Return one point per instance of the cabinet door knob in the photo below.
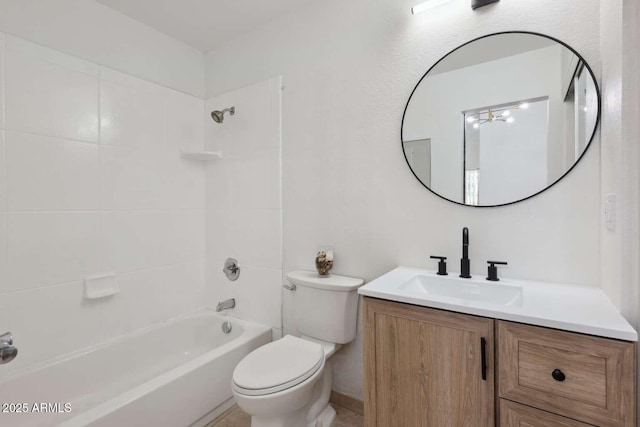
(558, 375)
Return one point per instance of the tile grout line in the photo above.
(102, 238)
(119, 273)
(5, 175)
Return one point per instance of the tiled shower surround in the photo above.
(92, 183)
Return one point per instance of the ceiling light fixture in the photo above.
(490, 115)
(429, 4)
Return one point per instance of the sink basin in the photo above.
(465, 290)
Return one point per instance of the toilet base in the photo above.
(325, 419)
(316, 413)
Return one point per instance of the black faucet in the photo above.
(465, 263)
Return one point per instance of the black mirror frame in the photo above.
(595, 128)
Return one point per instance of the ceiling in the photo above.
(490, 49)
(204, 24)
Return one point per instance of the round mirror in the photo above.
(500, 119)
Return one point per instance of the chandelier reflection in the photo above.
(492, 115)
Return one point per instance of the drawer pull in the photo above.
(558, 375)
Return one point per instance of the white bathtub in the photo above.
(176, 374)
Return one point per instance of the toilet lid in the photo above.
(277, 366)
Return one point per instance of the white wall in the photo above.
(89, 30)
(91, 181)
(620, 252)
(620, 153)
(243, 202)
(348, 68)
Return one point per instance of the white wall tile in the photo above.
(132, 116)
(3, 171)
(48, 99)
(253, 236)
(144, 239)
(3, 255)
(51, 174)
(135, 179)
(185, 287)
(43, 53)
(184, 123)
(243, 202)
(52, 321)
(218, 287)
(123, 79)
(2, 49)
(140, 303)
(255, 181)
(154, 295)
(4, 327)
(276, 334)
(218, 185)
(78, 208)
(257, 294)
(254, 127)
(50, 248)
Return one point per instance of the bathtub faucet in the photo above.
(7, 351)
(224, 305)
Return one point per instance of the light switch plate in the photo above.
(610, 211)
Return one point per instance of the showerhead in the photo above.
(218, 116)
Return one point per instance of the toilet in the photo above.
(287, 383)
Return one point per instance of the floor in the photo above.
(234, 417)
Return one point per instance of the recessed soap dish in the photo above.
(201, 155)
(101, 286)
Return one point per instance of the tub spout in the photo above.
(224, 305)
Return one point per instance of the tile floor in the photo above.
(234, 417)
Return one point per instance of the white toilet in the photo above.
(287, 383)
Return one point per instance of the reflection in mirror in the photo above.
(500, 119)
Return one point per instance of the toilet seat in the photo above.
(277, 366)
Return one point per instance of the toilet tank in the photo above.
(326, 308)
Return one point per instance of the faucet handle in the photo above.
(492, 270)
(442, 265)
(6, 338)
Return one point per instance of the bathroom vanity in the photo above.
(443, 351)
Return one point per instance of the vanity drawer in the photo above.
(516, 415)
(594, 379)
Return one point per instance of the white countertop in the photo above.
(582, 309)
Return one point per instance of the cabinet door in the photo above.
(424, 367)
(515, 415)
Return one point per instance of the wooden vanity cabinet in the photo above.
(418, 358)
(424, 368)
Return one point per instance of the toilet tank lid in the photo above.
(311, 279)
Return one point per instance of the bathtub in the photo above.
(176, 374)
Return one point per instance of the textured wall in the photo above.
(348, 69)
